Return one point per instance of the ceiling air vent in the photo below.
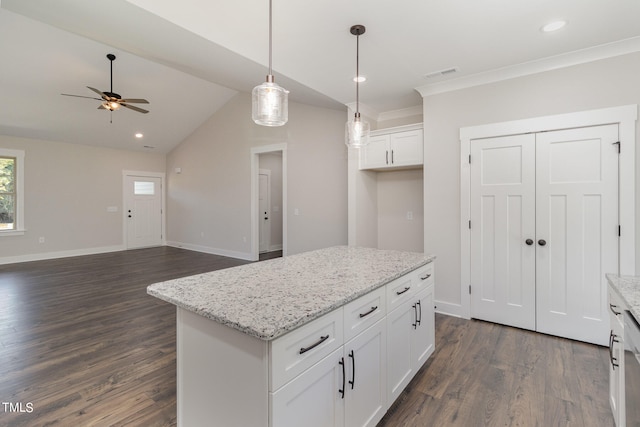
(441, 73)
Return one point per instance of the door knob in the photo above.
(266, 217)
(542, 242)
(529, 242)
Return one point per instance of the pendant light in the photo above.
(270, 104)
(357, 130)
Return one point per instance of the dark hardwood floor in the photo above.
(82, 344)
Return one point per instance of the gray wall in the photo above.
(209, 202)
(606, 83)
(68, 188)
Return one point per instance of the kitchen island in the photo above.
(327, 337)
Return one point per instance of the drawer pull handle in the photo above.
(314, 345)
(353, 369)
(368, 312)
(341, 391)
(425, 277)
(403, 291)
(612, 307)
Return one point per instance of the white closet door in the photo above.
(577, 219)
(502, 219)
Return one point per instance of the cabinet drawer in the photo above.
(399, 291)
(293, 353)
(423, 277)
(616, 308)
(364, 312)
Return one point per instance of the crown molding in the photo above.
(385, 115)
(577, 57)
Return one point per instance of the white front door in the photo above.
(264, 201)
(544, 230)
(143, 211)
(502, 220)
(577, 220)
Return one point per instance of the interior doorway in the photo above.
(268, 201)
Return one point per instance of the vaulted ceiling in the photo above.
(189, 58)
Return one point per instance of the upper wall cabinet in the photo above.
(393, 148)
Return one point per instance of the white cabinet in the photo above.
(616, 358)
(313, 398)
(366, 392)
(393, 149)
(410, 330)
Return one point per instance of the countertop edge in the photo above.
(284, 329)
(616, 282)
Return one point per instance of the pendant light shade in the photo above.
(270, 102)
(357, 129)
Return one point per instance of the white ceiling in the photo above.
(189, 57)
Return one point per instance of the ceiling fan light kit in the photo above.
(357, 130)
(269, 101)
(110, 100)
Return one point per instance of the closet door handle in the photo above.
(341, 362)
(353, 369)
(542, 242)
(529, 242)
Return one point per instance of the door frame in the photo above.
(255, 166)
(266, 172)
(163, 202)
(625, 116)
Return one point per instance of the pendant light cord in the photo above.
(270, 38)
(358, 74)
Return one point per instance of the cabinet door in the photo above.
(399, 337)
(366, 395)
(406, 148)
(616, 359)
(423, 342)
(312, 399)
(376, 153)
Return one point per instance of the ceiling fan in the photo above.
(112, 101)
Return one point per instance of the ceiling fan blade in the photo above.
(101, 107)
(105, 97)
(80, 96)
(134, 101)
(131, 107)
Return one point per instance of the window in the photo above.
(11, 191)
(8, 193)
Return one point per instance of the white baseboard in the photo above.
(213, 251)
(60, 254)
(274, 248)
(448, 308)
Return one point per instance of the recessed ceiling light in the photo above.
(139, 135)
(553, 26)
(359, 79)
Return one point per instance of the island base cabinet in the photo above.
(222, 376)
(346, 388)
(366, 393)
(410, 341)
(313, 399)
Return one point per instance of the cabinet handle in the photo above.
(391, 156)
(415, 312)
(403, 291)
(612, 339)
(341, 362)
(418, 321)
(353, 369)
(611, 307)
(314, 345)
(425, 277)
(368, 312)
(386, 157)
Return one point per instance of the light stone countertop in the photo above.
(270, 298)
(627, 288)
